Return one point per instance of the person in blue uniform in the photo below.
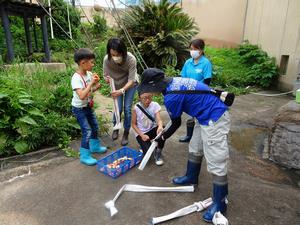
(210, 134)
(199, 68)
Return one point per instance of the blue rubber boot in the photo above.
(86, 158)
(219, 202)
(191, 176)
(95, 146)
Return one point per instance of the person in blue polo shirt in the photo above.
(199, 68)
(210, 133)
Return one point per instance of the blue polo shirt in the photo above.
(200, 71)
(204, 107)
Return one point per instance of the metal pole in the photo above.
(70, 31)
(245, 18)
(45, 38)
(28, 35)
(51, 25)
(8, 36)
(35, 36)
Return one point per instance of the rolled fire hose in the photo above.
(110, 205)
(196, 207)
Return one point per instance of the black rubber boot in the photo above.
(189, 134)
(115, 134)
(125, 138)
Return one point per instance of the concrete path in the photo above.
(69, 193)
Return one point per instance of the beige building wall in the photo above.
(87, 13)
(275, 26)
(221, 22)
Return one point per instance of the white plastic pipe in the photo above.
(196, 207)
(118, 124)
(152, 148)
(110, 205)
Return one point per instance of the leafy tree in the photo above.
(162, 32)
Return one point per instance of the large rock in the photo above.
(284, 147)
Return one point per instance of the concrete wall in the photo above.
(89, 11)
(34, 67)
(275, 26)
(221, 22)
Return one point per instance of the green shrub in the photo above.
(161, 31)
(63, 57)
(37, 57)
(227, 68)
(99, 26)
(263, 69)
(171, 71)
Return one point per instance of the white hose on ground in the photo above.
(110, 205)
(272, 95)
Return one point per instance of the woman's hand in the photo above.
(145, 137)
(116, 93)
(106, 78)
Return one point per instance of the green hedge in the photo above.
(35, 111)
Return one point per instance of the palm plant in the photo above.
(161, 31)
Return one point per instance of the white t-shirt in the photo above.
(77, 83)
(143, 122)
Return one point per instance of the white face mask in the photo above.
(117, 59)
(195, 54)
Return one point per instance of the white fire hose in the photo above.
(152, 148)
(196, 207)
(110, 205)
(118, 124)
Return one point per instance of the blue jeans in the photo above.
(128, 100)
(88, 124)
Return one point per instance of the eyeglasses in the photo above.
(146, 97)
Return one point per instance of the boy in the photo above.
(84, 83)
(147, 123)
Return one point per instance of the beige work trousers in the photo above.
(211, 141)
